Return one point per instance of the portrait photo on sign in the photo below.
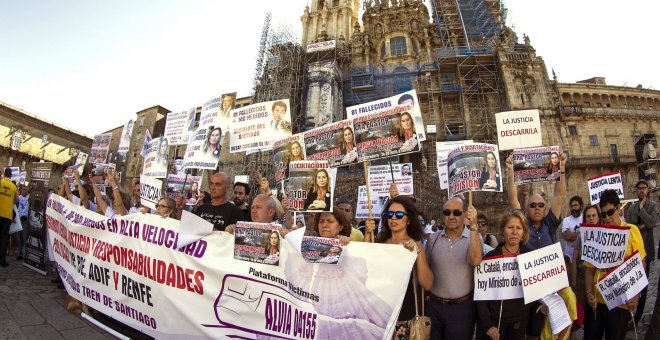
(285, 151)
(474, 167)
(334, 142)
(309, 186)
(536, 164)
(257, 242)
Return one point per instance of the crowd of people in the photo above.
(445, 259)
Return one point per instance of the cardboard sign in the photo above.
(533, 165)
(604, 246)
(543, 272)
(150, 191)
(386, 133)
(442, 150)
(598, 184)
(380, 178)
(286, 150)
(176, 126)
(518, 129)
(497, 278)
(334, 142)
(257, 126)
(474, 167)
(623, 282)
(257, 242)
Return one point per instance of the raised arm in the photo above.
(84, 198)
(512, 190)
(119, 207)
(560, 189)
(62, 190)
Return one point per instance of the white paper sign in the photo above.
(203, 150)
(156, 161)
(125, 140)
(557, 312)
(442, 150)
(497, 278)
(624, 282)
(380, 179)
(603, 182)
(604, 246)
(362, 210)
(150, 191)
(518, 129)
(257, 126)
(175, 125)
(543, 272)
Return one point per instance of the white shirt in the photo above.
(569, 223)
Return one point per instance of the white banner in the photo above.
(380, 178)
(604, 246)
(442, 151)
(603, 182)
(155, 163)
(518, 129)
(543, 272)
(203, 150)
(624, 282)
(257, 126)
(497, 278)
(125, 139)
(150, 191)
(131, 269)
(321, 46)
(362, 209)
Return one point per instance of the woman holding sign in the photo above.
(319, 197)
(512, 322)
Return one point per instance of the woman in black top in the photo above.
(513, 323)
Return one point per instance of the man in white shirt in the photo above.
(570, 226)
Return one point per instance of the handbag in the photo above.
(420, 325)
(16, 225)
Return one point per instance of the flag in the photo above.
(147, 140)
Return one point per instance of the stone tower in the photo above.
(332, 18)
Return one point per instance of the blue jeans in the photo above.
(452, 322)
(21, 236)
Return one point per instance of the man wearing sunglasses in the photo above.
(613, 323)
(452, 255)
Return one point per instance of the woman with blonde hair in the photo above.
(319, 197)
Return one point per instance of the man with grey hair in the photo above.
(219, 211)
(263, 211)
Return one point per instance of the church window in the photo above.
(398, 46)
(572, 130)
(593, 140)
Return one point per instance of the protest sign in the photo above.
(21, 177)
(474, 167)
(175, 187)
(362, 209)
(604, 246)
(188, 127)
(98, 175)
(408, 99)
(533, 165)
(557, 312)
(132, 269)
(300, 220)
(145, 143)
(257, 242)
(543, 272)
(228, 102)
(35, 242)
(155, 163)
(624, 282)
(203, 150)
(100, 146)
(321, 249)
(285, 150)
(333, 142)
(309, 188)
(242, 179)
(150, 189)
(176, 127)
(210, 115)
(256, 126)
(598, 184)
(497, 278)
(386, 133)
(518, 129)
(380, 178)
(81, 161)
(125, 139)
(15, 173)
(442, 150)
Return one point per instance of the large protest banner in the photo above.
(125, 139)
(257, 126)
(442, 150)
(604, 246)
(150, 189)
(175, 187)
(285, 150)
(497, 278)
(474, 167)
(380, 179)
(309, 187)
(131, 269)
(333, 142)
(624, 282)
(543, 272)
(362, 209)
(155, 163)
(598, 184)
(35, 242)
(100, 147)
(386, 133)
(518, 129)
(531, 165)
(176, 127)
(408, 99)
(203, 150)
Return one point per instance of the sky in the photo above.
(90, 65)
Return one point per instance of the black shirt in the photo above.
(220, 215)
(247, 214)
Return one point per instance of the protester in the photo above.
(318, 197)
(331, 224)
(135, 207)
(599, 320)
(643, 214)
(570, 226)
(346, 207)
(8, 198)
(506, 319)
(490, 176)
(457, 250)
(23, 210)
(180, 205)
(166, 207)
(482, 226)
(591, 215)
(402, 227)
(120, 199)
(241, 192)
(220, 211)
(212, 144)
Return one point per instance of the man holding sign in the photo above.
(599, 319)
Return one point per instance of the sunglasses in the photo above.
(482, 223)
(456, 212)
(534, 205)
(608, 213)
(398, 214)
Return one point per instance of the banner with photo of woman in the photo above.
(386, 133)
(474, 167)
(321, 249)
(334, 142)
(257, 242)
(175, 187)
(286, 150)
(155, 163)
(125, 139)
(203, 150)
(309, 187)
(257, 126)
(541, 164)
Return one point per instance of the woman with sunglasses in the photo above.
(513, 319)
(602, 321)
(166, 207)
(402, 227)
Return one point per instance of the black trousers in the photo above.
(611, 323)
(5, 223)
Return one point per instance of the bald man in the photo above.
(220, 211)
